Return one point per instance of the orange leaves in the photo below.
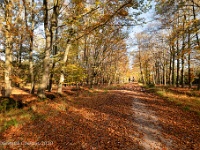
(105, 18)
(16, 79)
(104, 120)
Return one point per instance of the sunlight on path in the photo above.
(150, 136)
(18, 91)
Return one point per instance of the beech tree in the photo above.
(47, 51)
(8, 45)
(179, 45)
(86, 36)
(30, 29)
(54, 36)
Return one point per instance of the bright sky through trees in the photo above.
(147, 19)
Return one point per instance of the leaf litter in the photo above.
(123, 118)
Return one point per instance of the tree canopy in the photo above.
(61, 41)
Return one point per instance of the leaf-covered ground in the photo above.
(121, 118)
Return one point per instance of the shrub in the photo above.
(8, 104)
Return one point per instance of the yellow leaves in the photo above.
(97, 2)
(87, 9)
(74, 73)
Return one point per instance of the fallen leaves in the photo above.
(102, 119)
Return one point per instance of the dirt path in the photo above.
(123, 118)
(148, 127)
(148, 133)
(163, 125)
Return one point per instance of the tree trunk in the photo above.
(189, 62)
(54, 36)
(141, 71)
(31, 67)
(170, 67)
(194, 17)
(62, 77)
(164, 67)
(183, 54)
(178, 65)
(178, 53)
(31, 35)
(46, 62)
(8, 53)
(173, 65)
(157, 72)
(19, 59)
(182, 71)
(153, 75)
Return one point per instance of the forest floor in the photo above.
(126, 117)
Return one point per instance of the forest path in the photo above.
(149, 132)
(118, 118)
(162, 125)
(147, 125)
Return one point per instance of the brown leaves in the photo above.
(105, 18)
(123, 13)
(99, 119)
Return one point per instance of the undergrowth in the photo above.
(188, 102)
(14, 117)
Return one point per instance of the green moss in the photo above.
(151, 85)
(37, 117)
(9, 123)
(105, 91)
(161, 93)
(186, 108)
(178, 103)
(7, 104)
(198, 113)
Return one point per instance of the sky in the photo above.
(149, 19)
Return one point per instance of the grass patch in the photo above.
(161, 93)
(186, 108)
(37, 116)
(178, 104)
(9, 123)
(186, 102)
(63, 106)
(14, 117)
(114, 87)
(11, 113)
(7, 104)
(151, 85)
(105, 91)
